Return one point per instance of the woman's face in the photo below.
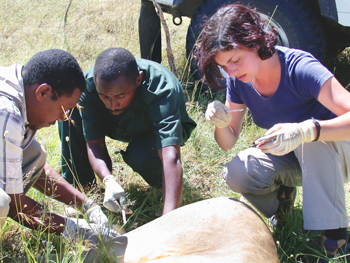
(240, 63)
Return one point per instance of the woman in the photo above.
(305, 109)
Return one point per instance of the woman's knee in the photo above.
(235, 174)
(247, 173)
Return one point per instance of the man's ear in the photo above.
(43, 92)
(139, 78)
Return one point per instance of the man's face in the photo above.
(48, 111)
(118, 94)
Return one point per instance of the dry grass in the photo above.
(27, 27)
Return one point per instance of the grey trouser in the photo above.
(34, 159)
(321, 168)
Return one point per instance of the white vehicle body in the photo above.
(343, 10)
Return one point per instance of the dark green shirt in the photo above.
(158, 106)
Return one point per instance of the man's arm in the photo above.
(101, 163)
(99, 158)
(31, 214)
(52, 184)
(172, 177)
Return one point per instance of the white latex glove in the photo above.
(286, 137)
(217, 114)
(96, 216)
(113, 193)
(80, 228)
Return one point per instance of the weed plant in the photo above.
(85, 28)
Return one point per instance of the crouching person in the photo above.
(307, 114)
(139, 102)
(34, 96)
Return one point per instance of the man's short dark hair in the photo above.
(115, 62)
(57, 68)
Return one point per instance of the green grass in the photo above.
(28, 26)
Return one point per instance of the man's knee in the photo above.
(4, 206)
(149, 166)
(142, 156)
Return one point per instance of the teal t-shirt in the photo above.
(159, 106)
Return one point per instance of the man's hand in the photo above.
(96, 216)
(286, 137)
(80, 228)
(217, 114)
(114, 193)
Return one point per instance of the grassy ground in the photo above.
(85, 29)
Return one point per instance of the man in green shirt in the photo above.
(142, 103)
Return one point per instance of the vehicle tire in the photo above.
(297, 26)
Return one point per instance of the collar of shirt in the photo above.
(22, 94)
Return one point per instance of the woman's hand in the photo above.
(286, 137)
(218, 114)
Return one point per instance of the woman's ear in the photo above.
(43, 92)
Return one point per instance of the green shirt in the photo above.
(158, 106)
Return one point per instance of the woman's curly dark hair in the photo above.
(232, 26)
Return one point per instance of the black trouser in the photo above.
(74, 159)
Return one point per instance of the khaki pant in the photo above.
(34, 159)
(321, 168)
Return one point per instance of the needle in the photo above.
(235, 110)
(124, 216)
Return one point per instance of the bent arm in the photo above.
(172, 177)
(337, 99)
(31, 214)
(52, 184)
(99, 158)
(227, 137)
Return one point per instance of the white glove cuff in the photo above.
(92, 209)
(87, 205)
(108, 178)
(307, 128)
(70, 227)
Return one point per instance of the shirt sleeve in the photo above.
(12, 130)
(308, 74)
(166, 117)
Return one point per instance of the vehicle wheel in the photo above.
(297, 26)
